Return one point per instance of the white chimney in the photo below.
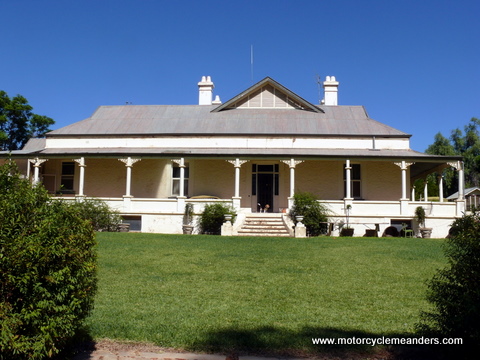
(330, 86)
(205, 91)
(217, 101)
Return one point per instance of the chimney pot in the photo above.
(217, 100)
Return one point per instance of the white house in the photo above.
(259, 147)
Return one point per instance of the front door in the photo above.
(265, 191)
(265, 186)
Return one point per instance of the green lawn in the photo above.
(211, 293)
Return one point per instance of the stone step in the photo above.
(252, 233)
(269, 227)
(264, 225)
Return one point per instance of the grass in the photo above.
(264, 295)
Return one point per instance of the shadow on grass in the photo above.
(277, 342)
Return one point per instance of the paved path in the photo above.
(145, 355)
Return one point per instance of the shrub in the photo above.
(454, 291)
(98, 213)
(213, 216)
(420, 216)
(47, 269)
(315, 214)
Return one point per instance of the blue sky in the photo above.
(414, 64)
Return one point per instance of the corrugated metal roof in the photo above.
(253, 152)
(200, 120)
(467, 192)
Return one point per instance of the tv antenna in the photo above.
(251, 63)
(318, 80)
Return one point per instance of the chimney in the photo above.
(205, 91)
(330, 86)
(217, 101)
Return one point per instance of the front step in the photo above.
(264, 225)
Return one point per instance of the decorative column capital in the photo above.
(404, 165)
(37, 162)
(129, 161)
(80, 162)
(180, 162)
(458, 165)
(237, 162)
(292, 163)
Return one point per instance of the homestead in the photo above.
(254, 150)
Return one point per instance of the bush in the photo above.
(47, 269)
(213, 217)
(454, 291)
(98, 213)
(313, 212)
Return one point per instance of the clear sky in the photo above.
(414, 64)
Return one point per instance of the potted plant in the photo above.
(187, 219)
(347, 230)
(420, 218)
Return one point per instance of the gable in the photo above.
(267, 94)
(267, 97)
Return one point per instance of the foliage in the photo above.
(454, 291)
(18, 123)
(213, 216)
(420, 215)
(98, 213)
(47, 269)
(313, 212)
(466, 144)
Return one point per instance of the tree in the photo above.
(18, 123)
(468, 146)
(454, 291)
(47, 269)
(441, 146)
(465, 143)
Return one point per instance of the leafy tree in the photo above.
(18, 123)
(465, 143)
(47, 269)
(454, 291)
(315, 214)
(441, 146)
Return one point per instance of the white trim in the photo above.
(245, 142)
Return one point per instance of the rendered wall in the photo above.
(382, 181)
(103, 178)
(151, 178)
(213, 177)
(322, 178)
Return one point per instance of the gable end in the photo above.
(268, 94)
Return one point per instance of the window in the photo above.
(68, 174)
(355, 181)
(176, 180)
